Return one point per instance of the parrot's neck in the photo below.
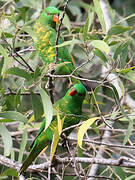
(47, 22)
(68, 105)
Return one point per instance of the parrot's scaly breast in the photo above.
(42, 44)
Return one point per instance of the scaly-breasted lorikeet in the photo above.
(45, 41)
(70, 107)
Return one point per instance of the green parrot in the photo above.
(70, 108)
(45, 41)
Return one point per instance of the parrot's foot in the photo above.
(64, 139)
(65, 142)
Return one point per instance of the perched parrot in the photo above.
(70, 107)
(45, 41)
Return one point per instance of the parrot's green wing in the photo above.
(70, 107)
(40, 131)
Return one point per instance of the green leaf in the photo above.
(13, 115)
(17, 98)
(122, 87)
(10, 172)
(101, 55)
(126, 18)
(66, 21)
(124, 57)
(6, 58)
(120, 48)
(129, 130)
(83, 128)
(118, 29)
(12, 154)
(59, 66)
(32, 4)
(99, 14)
(126, 70)
(23, 12)
(87, 25)
(47, 106)
(132, 177)
(119, 171)
(19, 72)
(96, 129)
(1, 33)
(96, 99)
(72, 42)
(1, 65)
(8, 35)
(37, 106)
(101, 45)
(37, 73)
(115, 94)
(92, 37)
(112, 43)
(22, 145)
(130, 76)
(7, 140)
(6, 120)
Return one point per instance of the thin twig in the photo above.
(72, 76)
(49, 171)
(27, 65)
(29, 49)
(102, 117)
(30, 68)
(12, 55)
(22, 94)
(50, 81)
(51, 86)
(17, 133)
(102, 143)
(58, 35)
(84, 63)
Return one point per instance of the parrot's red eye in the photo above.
(72, 92)
(48, 13)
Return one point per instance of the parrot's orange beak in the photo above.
(56, 18)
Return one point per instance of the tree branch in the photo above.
(72, 76)
(122, 162)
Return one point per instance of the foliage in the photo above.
(24, 97)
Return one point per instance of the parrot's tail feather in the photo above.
(35, 151)
(32, 156)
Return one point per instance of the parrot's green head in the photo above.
(76, 93)
(49, 16)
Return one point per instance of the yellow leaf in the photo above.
(42, 152)
(31, 119)
(59, 124)
(83, 128)
(56, 135)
